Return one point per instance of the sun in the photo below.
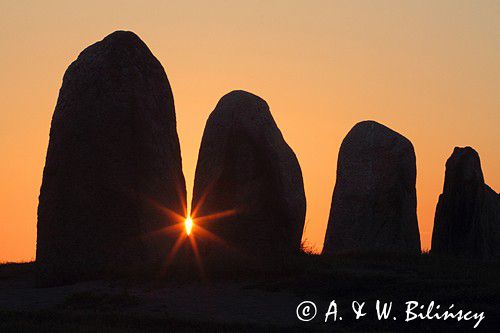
(188, 224)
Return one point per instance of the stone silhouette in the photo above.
(467, 220)
(248, 188)
(374, 201)
(113, 163)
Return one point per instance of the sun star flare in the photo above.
(188, 224)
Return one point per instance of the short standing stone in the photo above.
(374, 201)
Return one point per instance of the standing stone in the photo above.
(467, 220)
(112, 163)
(374, 201)
(250, 181)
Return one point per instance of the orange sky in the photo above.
(428, 69)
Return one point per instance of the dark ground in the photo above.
(244, 300)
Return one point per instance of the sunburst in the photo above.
(190, 229)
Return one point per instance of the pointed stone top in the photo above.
(370, 130)
(119, 40)
(463, 166)
(123, 36)
(241, 101)
(120, 47)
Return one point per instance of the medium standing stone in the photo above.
(112, 163)
(374, 201)
(248, 189)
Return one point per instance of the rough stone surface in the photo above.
(113, 160)
(467, 220)
(374, 201)
(250, 180)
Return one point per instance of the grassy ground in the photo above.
(242, 299)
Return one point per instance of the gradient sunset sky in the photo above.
(428, 69)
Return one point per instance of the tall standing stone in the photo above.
(467, 220)
(374, 201)
(113, 163)
(248, 189)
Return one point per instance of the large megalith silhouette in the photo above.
(113, 177)
(248, 191)
(467, 219)
(374, 200)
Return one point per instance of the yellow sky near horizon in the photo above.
(430, 70)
